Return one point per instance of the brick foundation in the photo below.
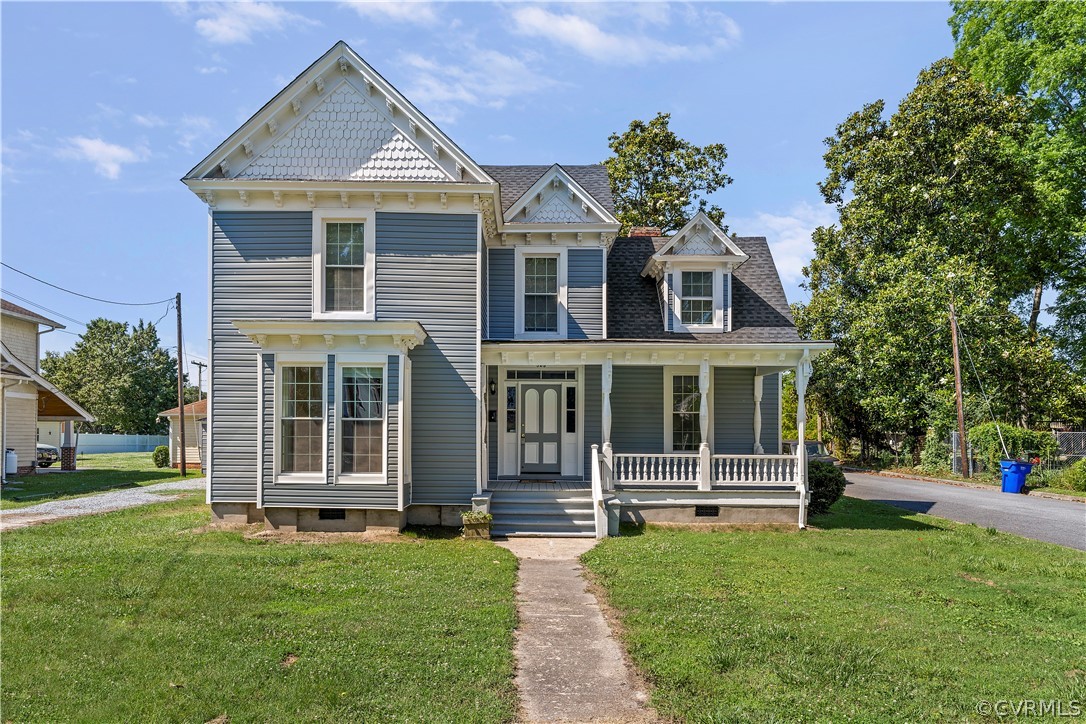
(188, 465)
(67, 458)
(27, 470)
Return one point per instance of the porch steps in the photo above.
(542, 513)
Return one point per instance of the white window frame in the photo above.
(321, 219)
(670, 372)
(308, 477)
(563, 267)
(380, 478)
(718, 299)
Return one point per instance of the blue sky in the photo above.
(106, 106)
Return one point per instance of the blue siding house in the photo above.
(399, 333)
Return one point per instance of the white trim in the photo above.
(321, 219)
(559, 253)
(701, 219)
(260, 422)
(211, 363)
(604, 252)
(731, 282)
(482, 462)
(399, 432)
(717, 299)
(353, 479)
(780, 413)
(309, 360)
(766, 356)
(669, 424)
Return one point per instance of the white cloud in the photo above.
(149, 120)
(226, 23)
(416, 13)
(481, 78)
(106, 157)
(632, 37)
(193, 129)
(789, 235)
(209, 69)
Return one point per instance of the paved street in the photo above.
(1044, 519)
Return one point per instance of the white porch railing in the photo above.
(700, 469)
(657, 469)
(599, 513)
(755, 469)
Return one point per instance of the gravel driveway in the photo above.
(1053, 521)
(100, 503)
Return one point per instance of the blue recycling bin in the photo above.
(1014, 475)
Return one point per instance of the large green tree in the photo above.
(661, 180)
(120, 374)
(936, 206)
(1037, 52)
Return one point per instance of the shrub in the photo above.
(161, 456)
(935, 457)
(827, 485)
(475, 516)
(986, 447)
(1070, 478)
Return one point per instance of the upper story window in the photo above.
(344, 266)
(699, 300)
(541, 294)
(343, 263)
(301, 433)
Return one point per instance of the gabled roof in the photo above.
(339, 121)
(197, 409)
(557, 197)
(21, 369)
(516, 180)
(14, 310)
(700, 237)
(760, 312)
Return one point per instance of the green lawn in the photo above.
(93, 474)
(142, 615)
(882, 615)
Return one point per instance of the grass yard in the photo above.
(94, 474)
(882, 615)
(143, 615)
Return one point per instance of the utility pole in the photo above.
(200, 377)
(962, 447)
(180, 388)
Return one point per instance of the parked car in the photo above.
(815, 451)
(47, 455)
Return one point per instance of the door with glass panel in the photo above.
(540, 434)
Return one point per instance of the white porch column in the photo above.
(803, 373)
(608, 373)
(758, 387)
(705, 480)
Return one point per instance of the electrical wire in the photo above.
(987, 400)
(55, 313)
(85, 296)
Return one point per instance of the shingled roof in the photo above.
(24, 313)
(760, 312)
(516, 180)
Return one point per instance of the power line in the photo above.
(24, 300)
(85, 296)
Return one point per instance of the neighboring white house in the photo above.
(399, 333)
(195, 434)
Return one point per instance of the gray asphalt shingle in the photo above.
(516, 180)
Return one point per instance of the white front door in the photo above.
(540, 434)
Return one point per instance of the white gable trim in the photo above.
(542, 188)
(695, 224)
(310, 89)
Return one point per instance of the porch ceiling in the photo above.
(768, 358)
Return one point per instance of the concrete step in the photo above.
(540, 534)
(541, 508)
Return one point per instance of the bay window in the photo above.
(362, 421)
(301, 420)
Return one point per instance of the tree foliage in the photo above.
(937, 206)
(121, 375)
(661, 180)
(1037, 52)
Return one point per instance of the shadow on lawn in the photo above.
(47, 486)
(851, 513)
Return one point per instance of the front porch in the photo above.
(642, 434)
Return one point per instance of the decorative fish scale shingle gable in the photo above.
(555, 211)
(700, 242)
(345, 137)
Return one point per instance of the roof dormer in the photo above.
(556, 198)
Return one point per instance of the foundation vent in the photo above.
(332, 514)
(706, 511)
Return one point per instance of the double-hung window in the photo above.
(362, 421)
(685, 413)
(697, 299)
(343, 263)
(301, 435)
(541, 294)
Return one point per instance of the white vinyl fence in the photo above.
(91, 443)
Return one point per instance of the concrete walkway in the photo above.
(90, 504)
(569, 666)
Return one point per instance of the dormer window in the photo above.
(696, 298)
(343, 264)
